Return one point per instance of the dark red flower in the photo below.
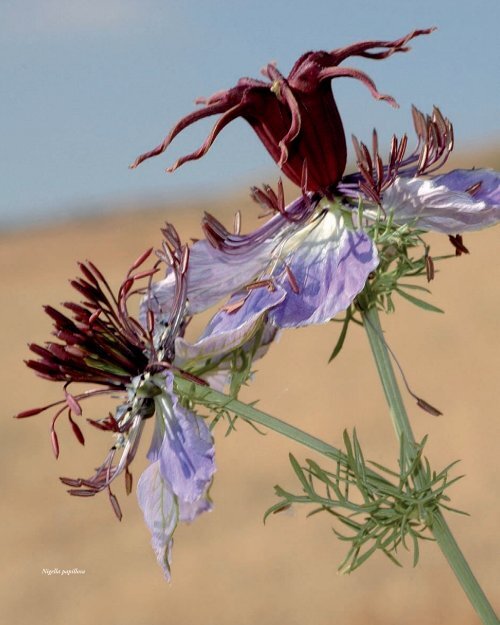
(296, 118)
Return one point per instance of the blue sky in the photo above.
(89, 84)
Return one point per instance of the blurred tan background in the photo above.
(228, 568)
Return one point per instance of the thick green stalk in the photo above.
(440, 529)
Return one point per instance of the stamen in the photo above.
(83, 493)
(142, 258)
(260, 283)
(192, 378)
(474, 188)
(95, 315)
(237, 222)
(128, 481)
(429, 267)
(115, 505)
(54, 440)
(421, 403)
(231, 308)
(76, 430)
(72, 403)
(68, 481)
(458, 243)
(435, 142)
(292, 280)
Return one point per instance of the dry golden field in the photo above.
(228, 568)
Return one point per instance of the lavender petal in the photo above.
(488, 181)
(443, 203)
(324, 274)
(187, 452)
(212, 276)
(159, 506)
(216, 271)
(227, 330)
(189, 511)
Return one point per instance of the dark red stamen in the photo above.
(474, 188)
(429, 268)
(458, 244)
(292, 280)
(435, 143)
(76, 430)
(100, 342)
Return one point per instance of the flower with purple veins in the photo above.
(303, 266)
(296, 117)
(459, 201)
(312, 258)
(101, 343)
(410, 192)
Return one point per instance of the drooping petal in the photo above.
(450, 203)
(232, 326)
(187, 452)
(212, 276)
(324, 273)
(234, 260)
(159, 506)
(189, 511)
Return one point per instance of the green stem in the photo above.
(246, 411)
(440, 529)
(208, 396)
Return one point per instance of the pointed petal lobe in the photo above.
(159, 507)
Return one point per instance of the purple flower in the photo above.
(302, 267)
(175, 486)
(459, 201)
(296, 118)
(455, 202)
(100, 343)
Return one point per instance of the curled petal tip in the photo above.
(284, 154)
(297, 112)
(390, 100)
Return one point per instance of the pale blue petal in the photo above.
(330, 267)
(157, 439)
(189, 511)
(219, 378)
(463, 179)
(212, 276)
(159, 507)
(429, 204)
(215, 273)
(187, 452)
(227, 331)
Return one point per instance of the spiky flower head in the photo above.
(100, 342)
(295, 117)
